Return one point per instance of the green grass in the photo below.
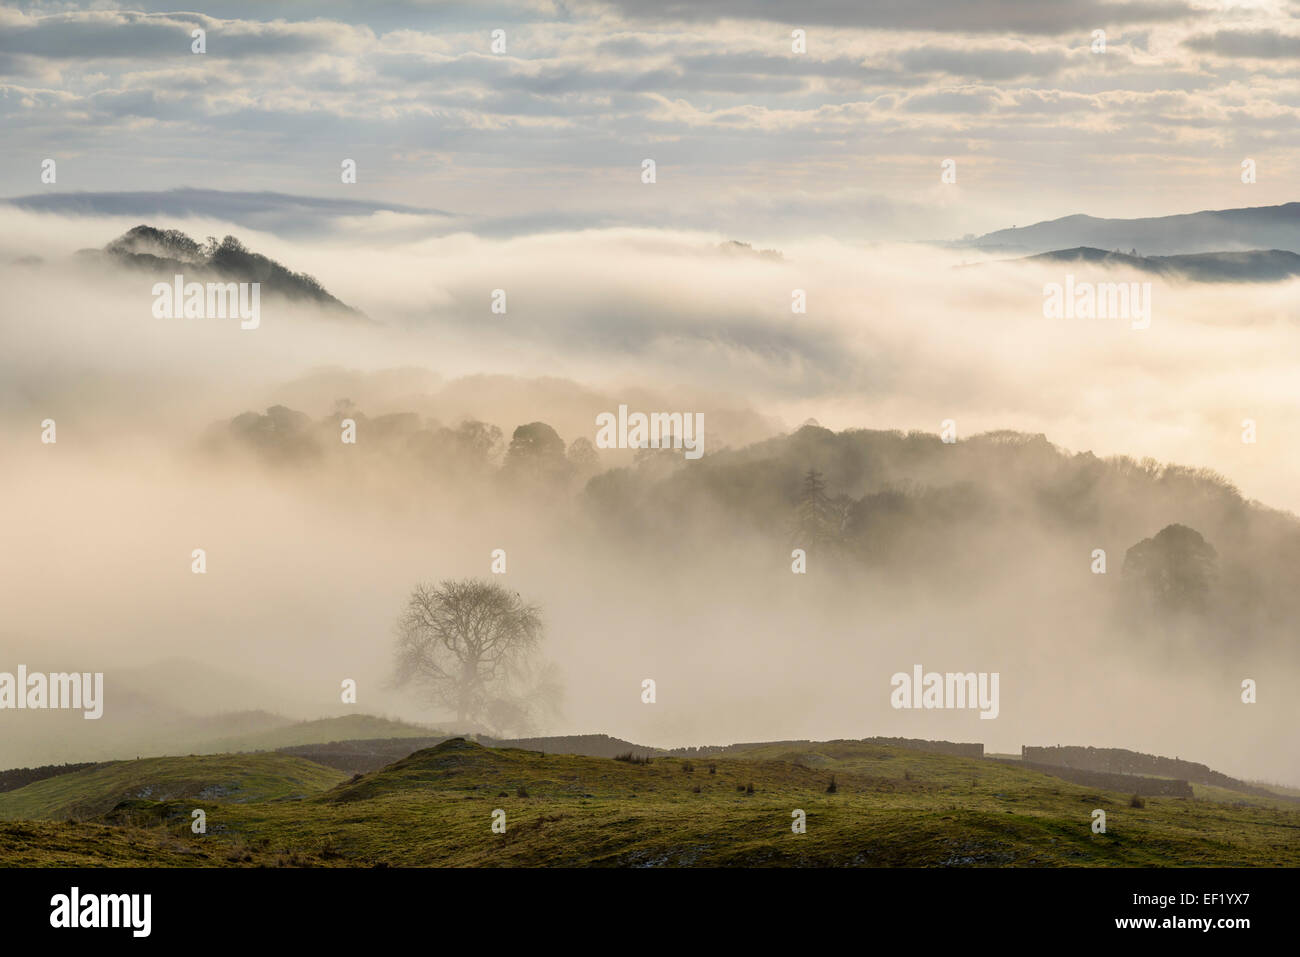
(81, 844)
(893, 807)
(1211, 792)
(230, 778)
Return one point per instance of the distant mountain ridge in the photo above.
(1256, 265)
(1207, 231)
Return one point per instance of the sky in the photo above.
(749, 137)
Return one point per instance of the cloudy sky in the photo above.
(749, 137)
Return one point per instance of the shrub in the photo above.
(1136, 801)
(713, 769)
(750, 789)
(688, 767)
(830, 788)
(521, 792)
(632, 758)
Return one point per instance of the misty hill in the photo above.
(909, 507)
(1256, 265)
(958, 749)
(232, 778)
(867, 804)
(164, 253)
(1111, 768)
(137, 724)
(734, 247)
(363, 756)
(1255, 227)
(15, 778)
(1114, 768)
(320, 731)
(1191, 562)
(179, 706)
(147, 725)
(590, 745)
(1123, 761)
(200, 687)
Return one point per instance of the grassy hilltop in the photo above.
(890, 807)
(230, 778)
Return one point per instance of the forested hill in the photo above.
(166, 252)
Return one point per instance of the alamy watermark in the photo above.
(179, 299)
(1101, 300)
(54, 691)
(656, 430)
(948, 690)
(74, 909)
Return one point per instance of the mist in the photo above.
(311, 557)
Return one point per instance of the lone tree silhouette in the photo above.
(536, 455)
(1176, 569)
(818, 519)
(470, 645)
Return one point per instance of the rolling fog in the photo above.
(309, 566)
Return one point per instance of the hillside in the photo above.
(228, 778)
(1256, 265)
(174, 705)
(1255, 227)
(361, 756)
(590, 745)
(82, 844)
(15, 778)
(1123, 761)
(166, 252)
(889, 507)
(889, 807)
(321, 731)
(139, 725)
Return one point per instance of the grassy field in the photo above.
(81, 844)
(229, 778)
(890, 807)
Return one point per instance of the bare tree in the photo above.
(470, 645)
